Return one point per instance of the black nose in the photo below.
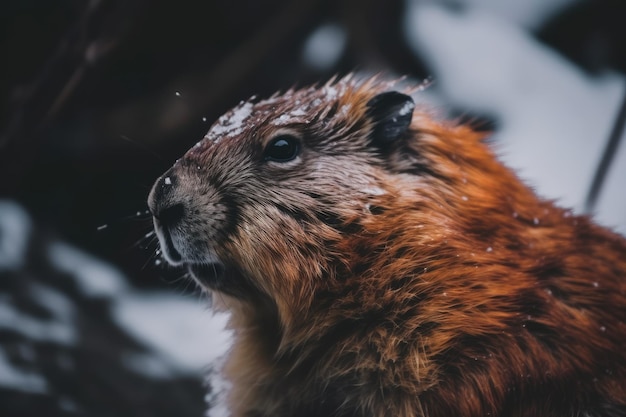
(168, 212)
(169, 216)
(162, 202)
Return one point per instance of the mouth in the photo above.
(172, 255)
(202, 264)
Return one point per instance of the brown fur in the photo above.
(425, 280)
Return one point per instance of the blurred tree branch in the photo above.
(99, 30)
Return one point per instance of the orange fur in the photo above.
(424, 281)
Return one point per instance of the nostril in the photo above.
(170, 216)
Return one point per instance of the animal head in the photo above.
(267, 204)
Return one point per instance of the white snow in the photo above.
(186, 333)
(527, 13)
(231, 123)
(167, 181)
(299, 112)
(373, 190)
(216, 399)
(54, 301)
(282, 120)
(406, 109)
(59, 330)
(15, 230)
(18, 379)
(331, 92)
(94, 277)
(148, 364)
(324, 47)
(555, 119)
(295, 116)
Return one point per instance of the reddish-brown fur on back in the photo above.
(415, 278)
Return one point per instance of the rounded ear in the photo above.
(391, 113)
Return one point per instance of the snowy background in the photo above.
(100, 97)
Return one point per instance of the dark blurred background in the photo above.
(99, 97)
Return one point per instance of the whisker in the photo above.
(150, 237)
(139, 215)
(152, 259)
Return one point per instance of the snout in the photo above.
(168, 213)
(189, 219)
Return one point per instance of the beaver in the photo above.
(380, 261)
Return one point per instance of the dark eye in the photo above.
(283, 148)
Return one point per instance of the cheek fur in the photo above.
(281, 253)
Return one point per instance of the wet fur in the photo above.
(422, 278)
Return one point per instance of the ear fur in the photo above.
(391, 113)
